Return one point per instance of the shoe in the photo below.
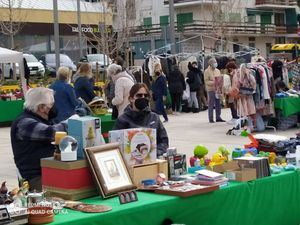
(231, 122)
(220, 120)
(165, 121)
(196, 110)
(211, 121)
(204, 108)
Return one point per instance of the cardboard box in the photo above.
(222, 168)
(137, 145)
(176, 165)
(234, 172)
(261, 165)
(69, 180)
(87, 131)
(147, 171)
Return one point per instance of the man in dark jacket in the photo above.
(176, 87)
(138, 114)
(195, 82)
(32, 133)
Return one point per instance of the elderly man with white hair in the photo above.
(32, 133)
(211, 79)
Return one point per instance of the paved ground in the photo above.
(185, 132)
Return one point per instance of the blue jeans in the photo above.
(213, 102)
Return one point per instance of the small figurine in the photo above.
(4, 198)
(199, 153)
(217, 159)
(224, 151)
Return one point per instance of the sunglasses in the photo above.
(142, 96)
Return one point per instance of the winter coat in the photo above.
(65, 100)
(31, 137)
(194, 79)
(84, 88)
(209, 78)
(159, 87)
(148, 119)
(176, 82)
(123, 84)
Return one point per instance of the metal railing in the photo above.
(276, 2)
(210, 27)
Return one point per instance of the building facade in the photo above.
(36, 33)
(226, 25)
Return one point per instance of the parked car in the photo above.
(49, 62)
(35, 67)
(102, 60)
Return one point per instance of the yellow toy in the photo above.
(217, 159)
(272, 158)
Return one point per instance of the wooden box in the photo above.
(68, 180)
(147, 171)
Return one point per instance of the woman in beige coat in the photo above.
(123, 83)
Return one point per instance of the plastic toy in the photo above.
(225, 153)
(217, 159)
(199, 153)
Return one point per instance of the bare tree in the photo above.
(224, 16)
(12, 20)
(111, 39)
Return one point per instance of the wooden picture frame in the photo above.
(109, 169)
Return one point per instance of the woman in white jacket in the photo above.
(123, 83)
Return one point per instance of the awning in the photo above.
(283, 47)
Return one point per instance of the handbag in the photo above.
(234, 93)
(246, 91)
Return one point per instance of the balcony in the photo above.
(276, 4)
(212, 28)
(184, 3)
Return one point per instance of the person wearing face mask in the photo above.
(138, 114)
(32, 133)
(232, 70)
(64, 95)
(159, 89)
(210, 75)
(194, 81)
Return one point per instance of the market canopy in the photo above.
(10, 56)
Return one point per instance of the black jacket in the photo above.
(132, 119)
(194, 79)
(176, 82)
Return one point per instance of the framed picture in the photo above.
(109, 169)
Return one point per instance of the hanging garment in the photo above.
(153, 60)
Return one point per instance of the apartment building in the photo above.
(36, 33)
(254, 23)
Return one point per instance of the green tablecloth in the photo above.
(268, 201)
(9, 110)
(288, 106)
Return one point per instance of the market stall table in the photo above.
(266, 201)
(288, 105)
(10, 110)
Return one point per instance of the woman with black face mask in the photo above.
(138, 114)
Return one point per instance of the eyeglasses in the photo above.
(141, 95)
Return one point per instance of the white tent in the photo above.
(10, 56)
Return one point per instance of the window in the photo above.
(164, 20)
(251, 18)
(184, 18)
(148, 22)
(251, 38)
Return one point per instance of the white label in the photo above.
(230, 175)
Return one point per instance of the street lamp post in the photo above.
(56, 34)
(172, 29)
(79, 29)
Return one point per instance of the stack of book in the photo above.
(210, 178)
